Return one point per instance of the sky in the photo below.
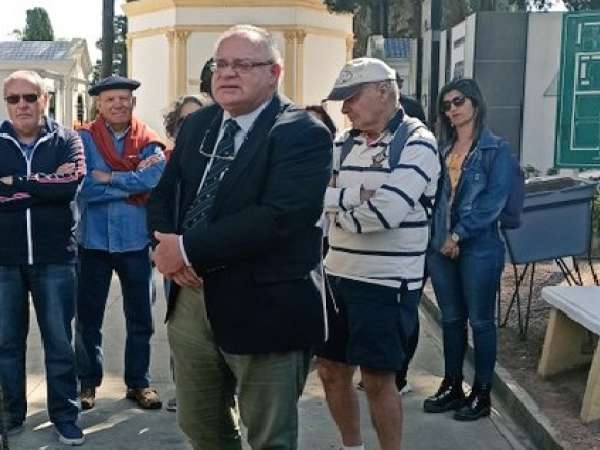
(72, 18)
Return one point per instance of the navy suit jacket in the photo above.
(261, 247)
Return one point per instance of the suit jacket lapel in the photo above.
(254, 142)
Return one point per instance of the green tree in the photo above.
(119, 51)
(400, 18)
(37, 26)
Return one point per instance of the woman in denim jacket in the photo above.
(466, 255)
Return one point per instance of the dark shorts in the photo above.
(369, 324)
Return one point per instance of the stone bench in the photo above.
(575, 313)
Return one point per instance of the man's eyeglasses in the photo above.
(237, 65)
(14, 99)
(213, 156)
(456, 101)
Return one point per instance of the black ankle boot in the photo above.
(449, 396)
(477, 405)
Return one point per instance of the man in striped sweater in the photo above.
(378, 238)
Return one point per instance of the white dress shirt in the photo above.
(245, 122)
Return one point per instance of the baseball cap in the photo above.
(358, 72)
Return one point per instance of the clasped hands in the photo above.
(169, 261)
(450, 248)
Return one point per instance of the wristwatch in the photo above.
(455, 237)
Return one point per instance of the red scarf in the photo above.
(139, 136)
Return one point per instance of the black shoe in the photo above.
(449, 396)
(477, 405)
(13, 428)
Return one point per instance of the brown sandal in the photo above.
(146, 398)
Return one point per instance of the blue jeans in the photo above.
(465, 289)
(95, 273)
(52, 288)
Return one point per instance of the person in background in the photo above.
(125, 160)
(414, 109)
(41, 167)
(172, 121)
(206, 78)
(321, 113)
(410, 105)
(466, 256)
(178, 111)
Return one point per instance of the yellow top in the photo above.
(454, 164)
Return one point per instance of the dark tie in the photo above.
(197, 214)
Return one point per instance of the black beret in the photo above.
(114, 82)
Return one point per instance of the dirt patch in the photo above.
(558, 397)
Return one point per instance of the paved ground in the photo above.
(117, 424)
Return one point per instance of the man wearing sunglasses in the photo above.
(245, 306)
(41, 166)
(125, 160)
(375, 263)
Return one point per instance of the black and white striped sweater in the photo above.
(384, 239)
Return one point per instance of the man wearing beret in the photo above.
(125, 160)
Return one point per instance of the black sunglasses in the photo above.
(14, 99)
(456, 101)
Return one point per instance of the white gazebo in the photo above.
(170, 40)
(65, 67)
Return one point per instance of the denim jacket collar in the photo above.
(488, 140)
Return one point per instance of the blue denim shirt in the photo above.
(108, 222)
(481, 194)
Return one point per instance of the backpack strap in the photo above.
(405, 130)
(346, 148)
(403, 133)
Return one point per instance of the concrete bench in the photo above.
(575, 313)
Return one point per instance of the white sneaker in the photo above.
(406, 389)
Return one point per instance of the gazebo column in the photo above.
(349, 47)
(177, 62)
(294, 64)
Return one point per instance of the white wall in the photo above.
(443, 58)
(253, 15)
(151, 20)
(199, 50)
(324, 49)
(457, 48)
(324, 57)
(469, 50)
(151, 69)
(539, 110)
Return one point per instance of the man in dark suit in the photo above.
(251, 171)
